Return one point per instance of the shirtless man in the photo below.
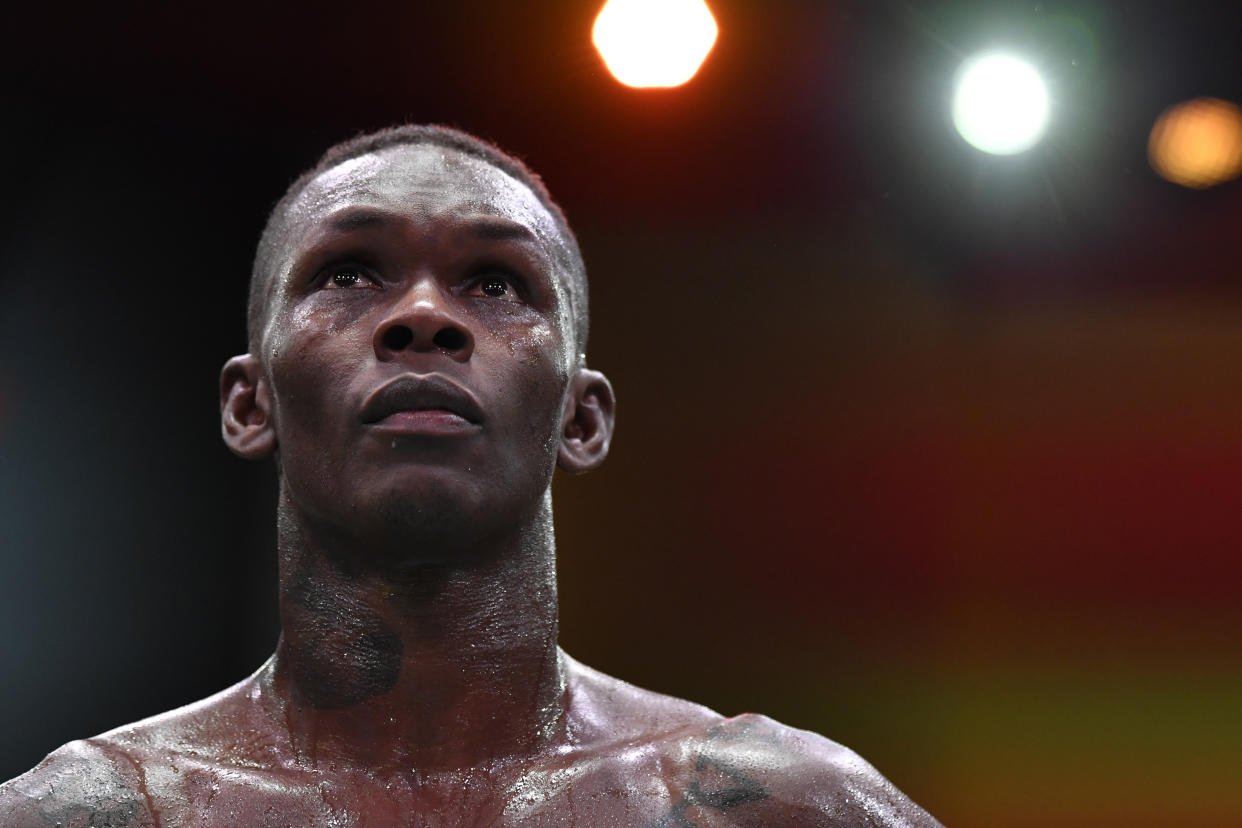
(416, 366)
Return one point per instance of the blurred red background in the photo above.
(935, 453)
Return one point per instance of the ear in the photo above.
(589, 416)
(246, 408)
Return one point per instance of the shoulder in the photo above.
(229, 729)
(607, 709)
(83, 783)
(793, 775)
(116, 778)
(745, 770)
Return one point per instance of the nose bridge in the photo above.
(424, 293)
(423, 317)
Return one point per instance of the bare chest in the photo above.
(597, 793)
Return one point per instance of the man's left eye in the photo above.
(497, 287)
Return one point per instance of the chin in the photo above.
(428, 518)
(437, 522)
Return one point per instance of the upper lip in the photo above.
(415, 392)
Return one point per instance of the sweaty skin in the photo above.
(417, 382)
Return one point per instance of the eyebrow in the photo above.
(498, 229)
(349, 220)
(487, 228)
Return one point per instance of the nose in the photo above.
(423, 320)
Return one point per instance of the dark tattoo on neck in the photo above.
(340, 670)
(345, 652)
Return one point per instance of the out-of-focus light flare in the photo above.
(1197, 143)
(1001, 104)
(654, 42)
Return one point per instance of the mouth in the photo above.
(422, 404)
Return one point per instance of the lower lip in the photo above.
(435, 421)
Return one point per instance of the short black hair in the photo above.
(416, 134)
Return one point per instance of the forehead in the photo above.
(425, 182)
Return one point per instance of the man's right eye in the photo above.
(346, 277)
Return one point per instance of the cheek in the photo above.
(321, 317)
(310, 361)
(539, 351)
(542, 384)
(530, 337)
(531, 371)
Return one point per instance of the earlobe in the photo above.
(246, 408)
(589, 417)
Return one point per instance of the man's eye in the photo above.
(497, 287)
(346, 277)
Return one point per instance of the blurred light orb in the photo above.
(654, 42)
(1000, 105)
(1197, 143)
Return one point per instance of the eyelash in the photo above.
(487, 275)
(327, 279)
(515, 285)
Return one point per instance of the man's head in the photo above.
(270, 242)
(417, 325)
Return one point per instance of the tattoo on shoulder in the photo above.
(716, 785)
(94, 797)
(102, 814)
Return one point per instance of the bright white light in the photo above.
(1001, 104)
(654, 42)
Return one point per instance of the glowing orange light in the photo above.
(1198, 143)
(654, 42)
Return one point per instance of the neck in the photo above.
(419, 666)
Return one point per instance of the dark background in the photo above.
(936, 453)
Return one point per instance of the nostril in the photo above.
(450, 339)
(398, 338)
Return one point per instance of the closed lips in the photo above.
(421, 393)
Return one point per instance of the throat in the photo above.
(435, 670)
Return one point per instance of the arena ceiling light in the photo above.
(1000, 104)
(654, 42)
(1198, 143)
